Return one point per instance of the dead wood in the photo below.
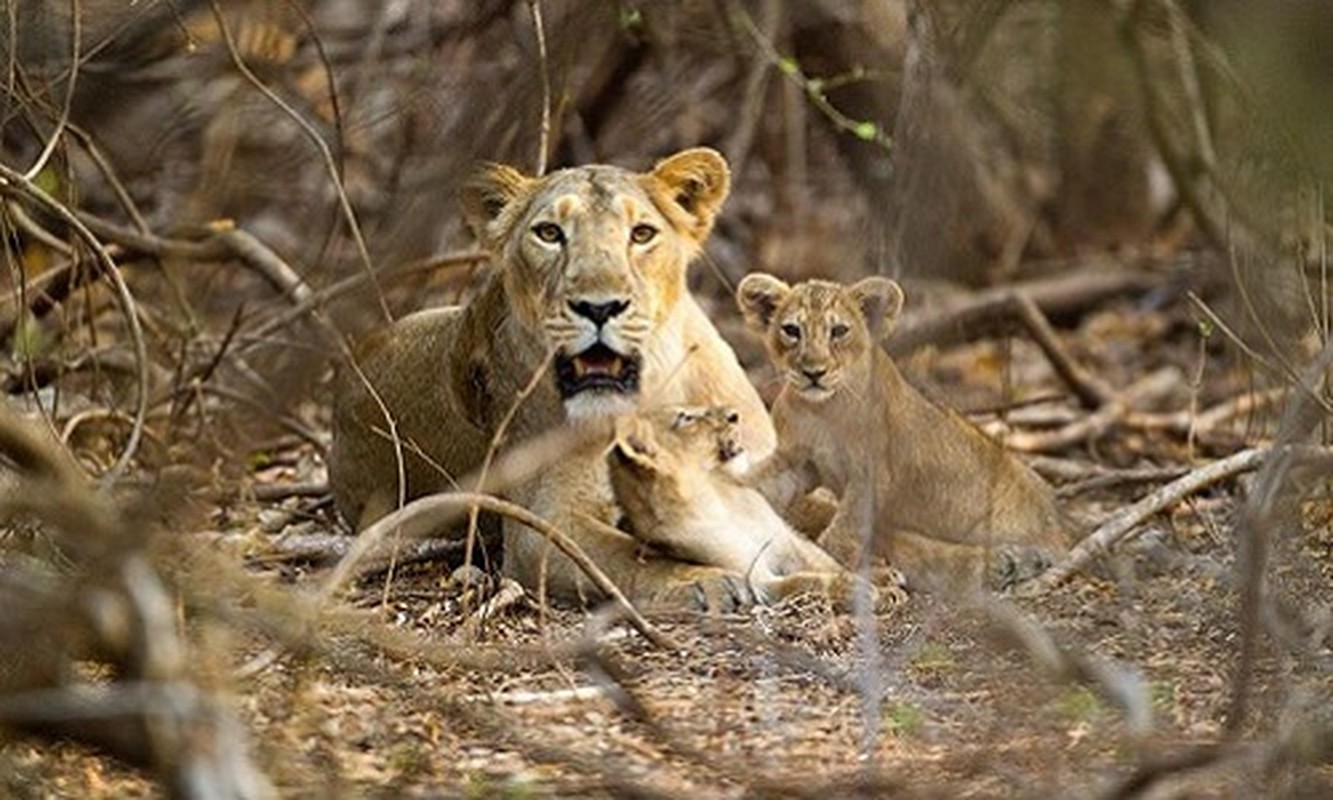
(1123, 522)
(991, 312)
(1091, 391)
(1151, 387)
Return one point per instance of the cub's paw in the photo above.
(892, 586)
(1013, 565)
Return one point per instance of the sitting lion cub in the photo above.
(673, 472)
(916, 482)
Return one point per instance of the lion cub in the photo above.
(674, 471)
(916, 482)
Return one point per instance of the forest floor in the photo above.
(775, 701)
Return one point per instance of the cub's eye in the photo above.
(839, 330)
(733, 417)
(642, 234)
(548, 232)
(792, 331)
(684, 419)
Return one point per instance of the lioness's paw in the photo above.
(718, 591)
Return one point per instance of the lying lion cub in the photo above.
(673, 474)
(916, 482)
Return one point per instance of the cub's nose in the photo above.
(813, 375)
(599, 313)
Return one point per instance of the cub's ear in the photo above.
(880, 300)
(695, 181)
(759, 295)
(487, 195)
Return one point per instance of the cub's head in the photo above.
(681, 440)
(593, 260)
(819, 333)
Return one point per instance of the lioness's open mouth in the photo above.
(597, 369)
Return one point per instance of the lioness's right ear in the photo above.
(697, 182)
(759, 295)
(487, 195)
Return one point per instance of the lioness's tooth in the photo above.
(580, 368)
(617, 364)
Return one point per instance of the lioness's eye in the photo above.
(792, 331)
(548, 232)
(642, 234)
(839, 330)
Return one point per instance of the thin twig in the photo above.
(1254, 527)
(14, 183)
(501, 431)
(544, 131)
(76, 32)
(330, 162)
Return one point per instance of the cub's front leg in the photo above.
(782, 478)
(853, 539)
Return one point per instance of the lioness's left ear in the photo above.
(880, 301)
(697, 181)
(486, 196)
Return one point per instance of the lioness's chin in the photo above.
(816, 394)
(592, 403)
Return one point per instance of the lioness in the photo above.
(589, 286)
(674, 470)
(916, 482)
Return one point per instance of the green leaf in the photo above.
(866, 131)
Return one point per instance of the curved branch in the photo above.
(426, 514)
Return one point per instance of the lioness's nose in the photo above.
(599, 313)
(814, 374)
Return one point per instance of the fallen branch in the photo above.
(224, 241)
(1092, 392)
(1210, 419)
(991, 312)
(1095, 425)
(1122, 522)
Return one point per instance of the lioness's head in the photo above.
(593, 260)
(819, 333)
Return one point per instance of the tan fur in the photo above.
(673, 476)
(592, 236)
(916, 482)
